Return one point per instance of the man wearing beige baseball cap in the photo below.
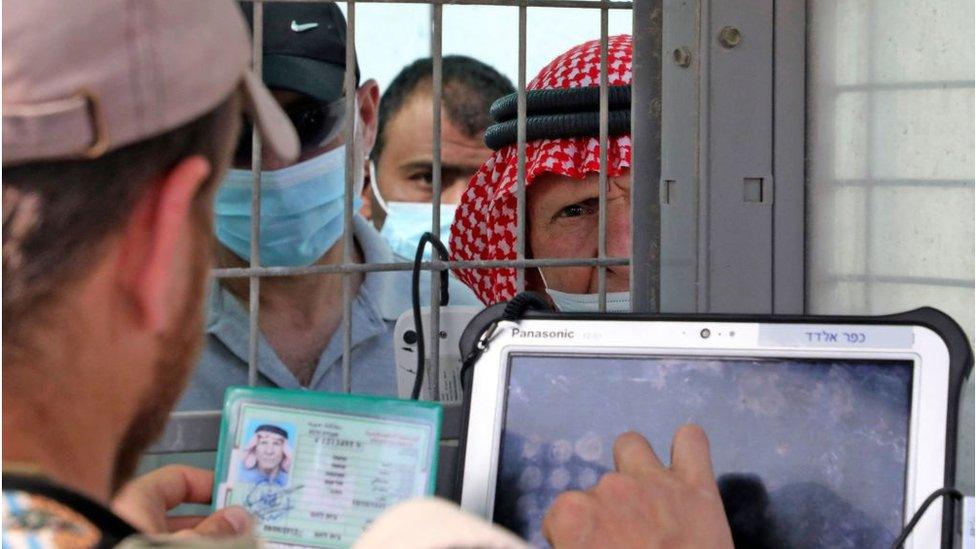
(119, 119)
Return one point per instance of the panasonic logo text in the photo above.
(543, 334)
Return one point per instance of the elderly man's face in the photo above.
(270, 451)
(563, 218)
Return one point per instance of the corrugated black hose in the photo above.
(559, 101)
(557, 126)
(558, 114)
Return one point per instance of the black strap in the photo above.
(111, 526)
(474, 336)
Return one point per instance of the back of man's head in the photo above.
(92, 119)
(56, 214)
(113, 142)
(468, 88)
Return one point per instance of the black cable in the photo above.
(560, 101)
(426, 238)
(516, 308)
(907, 530)
(557, 126)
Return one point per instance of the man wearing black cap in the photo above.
(301, 224)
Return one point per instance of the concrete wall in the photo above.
(890, 163)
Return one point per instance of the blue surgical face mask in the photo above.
(617, 302)
(301, 210)
(406, 222)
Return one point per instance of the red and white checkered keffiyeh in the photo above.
(484, 226)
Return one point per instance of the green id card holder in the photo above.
(315, 469)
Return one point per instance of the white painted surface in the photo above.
(890, 157)
(890, 163)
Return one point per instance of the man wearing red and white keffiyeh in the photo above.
(562, 189)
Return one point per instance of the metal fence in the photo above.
(198, 430)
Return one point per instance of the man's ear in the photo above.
(368, 96)
(157, 244)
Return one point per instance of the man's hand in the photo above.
(145, 500)
(645, 504)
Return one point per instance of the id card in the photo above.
(315, 469)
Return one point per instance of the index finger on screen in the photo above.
(691, 456)
(633, 455)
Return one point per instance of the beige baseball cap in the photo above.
(84, 78)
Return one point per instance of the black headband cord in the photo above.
(558, 114)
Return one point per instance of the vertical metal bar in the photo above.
(645, 211)
(604, 158)
(433, 354)
(349, 85)
(254, 297)
(679, 158)
(520, 134)
(702, 300)
(789, 96)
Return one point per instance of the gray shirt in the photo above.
(382, 297)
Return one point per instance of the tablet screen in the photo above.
(808, 453)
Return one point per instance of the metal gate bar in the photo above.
(254, 284)
(645, 134)
(432, 359)
(349, 85)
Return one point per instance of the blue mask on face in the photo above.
(301, 211)
(406, 222)
(617, 302)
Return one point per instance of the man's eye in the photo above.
(426, 177)
(587, 207)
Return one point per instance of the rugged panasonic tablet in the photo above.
(824, 432)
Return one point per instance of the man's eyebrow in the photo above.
(418, 165)
(428, 165)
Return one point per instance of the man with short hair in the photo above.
(114, 141)
(301, 335)
(403, 155)
(399, 197)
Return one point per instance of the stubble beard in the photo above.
(180, 349)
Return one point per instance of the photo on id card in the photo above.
(315, 469)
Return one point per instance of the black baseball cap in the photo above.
(304, 48)
(272, 429)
